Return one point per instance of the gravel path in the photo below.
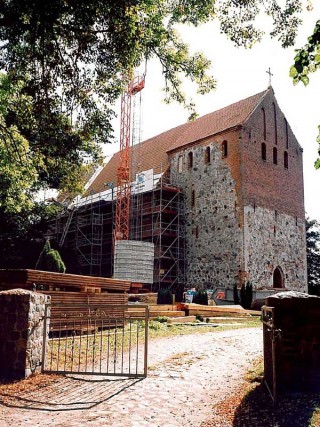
(187, 375)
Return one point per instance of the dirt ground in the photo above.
(187, 376)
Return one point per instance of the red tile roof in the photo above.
(153, 152)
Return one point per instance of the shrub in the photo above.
(164, 296)
(161, 319)
(246, 295)
(201, 297)
(179, 293)
(50, 260)
(249, 294)
(243, 295)
(236, 298)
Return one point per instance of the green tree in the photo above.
(313, 256)
(306, 61)
(50, 260)
(23, 171)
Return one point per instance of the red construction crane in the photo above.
(122, 219)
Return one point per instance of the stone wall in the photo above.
(21, 334)
(213, 235)
(271, 240)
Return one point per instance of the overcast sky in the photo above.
(241, 73)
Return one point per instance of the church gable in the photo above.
(272, 160)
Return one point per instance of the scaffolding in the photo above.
(157, 216)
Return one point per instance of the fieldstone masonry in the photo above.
(21, 334)
(214, 249)
(273, 239)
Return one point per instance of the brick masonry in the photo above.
(21, 334)
(244, 214)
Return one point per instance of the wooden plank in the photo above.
(29, 277)
(207, 310)
(74, 309)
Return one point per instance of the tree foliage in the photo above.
(239, 20)
(313, 255)
(50, 260)
(306, 61)
(75, 53)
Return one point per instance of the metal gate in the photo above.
(96, 340)
(271, 337)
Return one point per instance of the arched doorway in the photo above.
(278, 278)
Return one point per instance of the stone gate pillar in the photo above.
(21, 332)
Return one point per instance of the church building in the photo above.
(221, 198)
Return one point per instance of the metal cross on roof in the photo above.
(270, 75)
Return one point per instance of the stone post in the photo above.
(21, 333)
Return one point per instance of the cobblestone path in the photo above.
(187, 375)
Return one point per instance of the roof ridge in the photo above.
(259, 101)
(234, 103)
(229, 116)
(202, 117)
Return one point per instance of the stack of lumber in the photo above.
(167, 310)
(81, 311)
(216, 311)
(26, 279)
(146, 298)
(79, 302)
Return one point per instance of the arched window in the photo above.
(285, 160)
(275, 156)
(225, 149)
(278, 278)
(287, 135)
(275, 123)
(190, 159)
(264, 151)
(207, 155)
(264, 124)
(180, 164)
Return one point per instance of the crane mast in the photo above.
(122, 217)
